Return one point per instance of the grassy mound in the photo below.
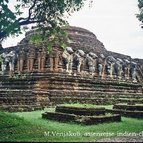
(14, 128)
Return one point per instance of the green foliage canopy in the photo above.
(48, 15)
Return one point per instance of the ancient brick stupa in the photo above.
(84, 71)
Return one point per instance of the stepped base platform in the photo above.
(81, 110)
(50, 88)
(138, 107)
(76, 114)
(135, 111)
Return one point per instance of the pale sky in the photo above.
(113, 22)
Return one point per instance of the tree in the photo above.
(48, 15)
(140, 15)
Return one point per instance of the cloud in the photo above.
(115, 24)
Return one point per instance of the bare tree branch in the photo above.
(29, 13)
(30, 22)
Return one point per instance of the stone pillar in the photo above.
(55, 59)
(5, 60)
(96, 67)
(3, 67)
(31, 58)
(133, 69)
(101, 65)
(52, 60)
(41, 59)
(20, 61)
(111, 70)
(70, 64)
(91, 66)
(11, 56)
(127, 72)
(101, 68)
(56, 63)
(11, 68)
(120, 71)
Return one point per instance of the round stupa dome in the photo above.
(78, 38)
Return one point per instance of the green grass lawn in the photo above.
(29, 126)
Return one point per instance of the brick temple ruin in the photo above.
(84, 71)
